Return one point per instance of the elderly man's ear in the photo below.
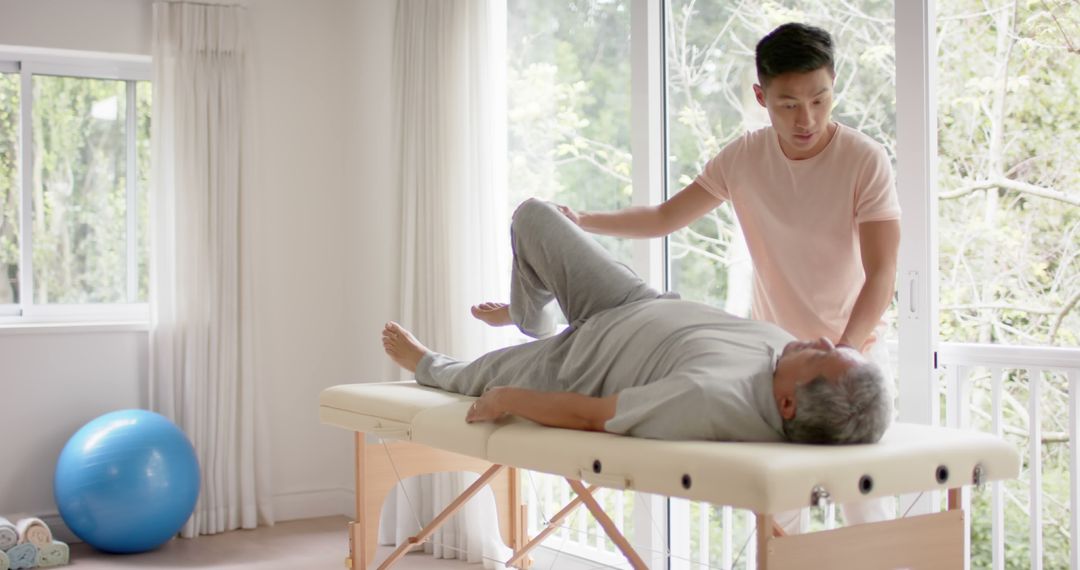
(786, 405)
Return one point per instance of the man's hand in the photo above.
(864, 348)
(879, 243)
(569, 213)
(487, 408)
(554, 409)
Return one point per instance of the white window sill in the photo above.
(76, 319)
(59, 327)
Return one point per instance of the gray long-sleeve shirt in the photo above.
(682, 370)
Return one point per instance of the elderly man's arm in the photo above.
(554, 409)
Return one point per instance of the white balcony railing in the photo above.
(1033, 522)
(578, 535)
(1028, 395)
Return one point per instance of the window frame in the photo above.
(131, 69)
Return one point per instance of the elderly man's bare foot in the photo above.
(494, 314)
(402, 347)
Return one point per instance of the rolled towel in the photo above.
(9, 535)
(55, 553)
(34, 531)
(22, 556)
(5, 562)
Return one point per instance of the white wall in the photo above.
(53, 382)
(326, 252)
(323, 225)
(121, 26)
(375, 279)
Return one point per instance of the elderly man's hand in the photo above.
(487, 408)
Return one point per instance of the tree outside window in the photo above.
(9, 188)
(1009, 230)
(88, 170)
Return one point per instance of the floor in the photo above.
(314, 544)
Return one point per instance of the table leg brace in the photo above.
(426, 532)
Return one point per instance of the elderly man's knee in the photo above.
(532, 213)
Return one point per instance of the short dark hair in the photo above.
(793, 47)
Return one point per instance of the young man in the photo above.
(816, 203)
(638, 363)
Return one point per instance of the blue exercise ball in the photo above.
(127, 481)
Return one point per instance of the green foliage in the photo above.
(1010, 257)
(569, 105)
(143, 93)
(79, 201)
(1010, 269)
(9, 187)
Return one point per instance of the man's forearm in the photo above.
(632, 222)
(679, 211)
(556, 409)
(879, 243)
(873, 300)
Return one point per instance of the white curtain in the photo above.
(455, 225)
(201, 361)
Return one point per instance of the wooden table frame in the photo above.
(933, 541)
(929, 541)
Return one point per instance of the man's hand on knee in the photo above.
(569, 213)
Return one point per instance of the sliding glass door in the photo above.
(613, 103)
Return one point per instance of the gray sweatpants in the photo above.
(555, 263)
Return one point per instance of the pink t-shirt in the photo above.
(801, 220)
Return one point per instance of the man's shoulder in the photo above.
(858, 143)
(755, 141)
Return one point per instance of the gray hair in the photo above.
(855, 409)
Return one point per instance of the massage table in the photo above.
(404, 429)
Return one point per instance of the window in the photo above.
(74, 135)
(9, 189)
(1010, 230)
(568, 95)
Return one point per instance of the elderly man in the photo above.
(637, 362)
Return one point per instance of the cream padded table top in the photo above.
(763, 477)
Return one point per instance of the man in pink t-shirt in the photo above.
(816, 202)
